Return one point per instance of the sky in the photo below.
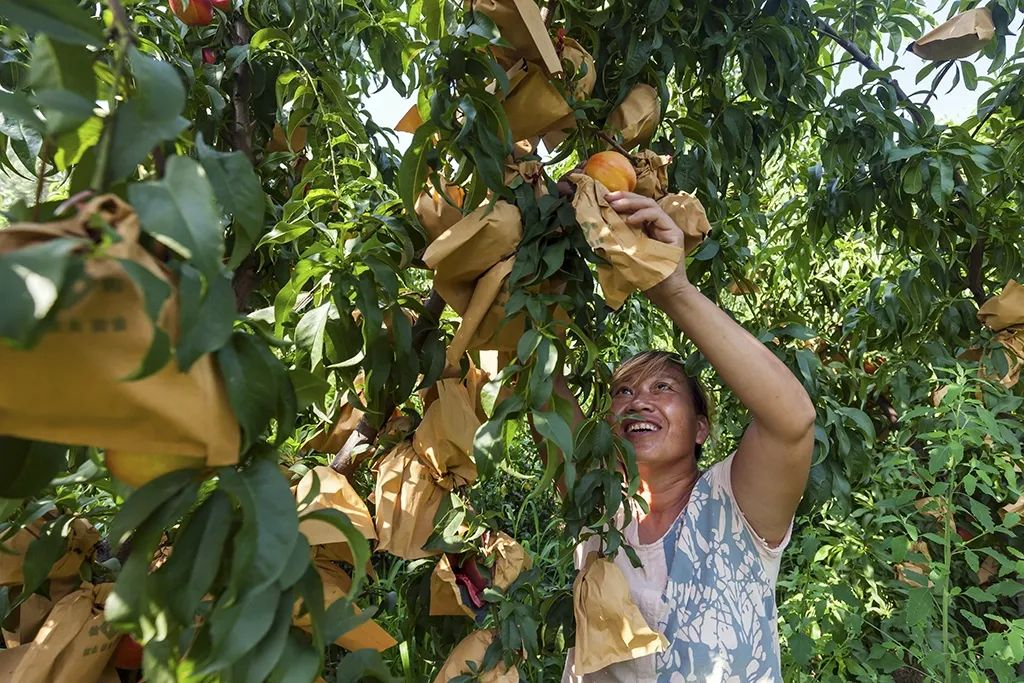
(387, 106)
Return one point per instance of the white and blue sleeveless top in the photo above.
(709, 585)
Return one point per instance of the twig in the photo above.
(974, 275)
(346, 462)
(549, 12)
(40, 180)
(242, 93)
(616, 146)
(121, 24)
(938, 79)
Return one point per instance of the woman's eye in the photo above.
(621, 391)
(663, 385)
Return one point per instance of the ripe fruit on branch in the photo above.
(198, 12)
(455, 193)
(222, 5)
(128, 654)
(209, 56)
(137, 469)
(612, 170)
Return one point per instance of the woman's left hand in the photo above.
(645, 213)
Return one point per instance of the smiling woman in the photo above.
(710, 541)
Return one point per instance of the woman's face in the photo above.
(656, 415)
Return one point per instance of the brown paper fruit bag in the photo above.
(26, 620)
(472, 648)
(533, 105)
(470, 248)
(635, 261)
(337, 585)
(336, 493)
(445, 593)
(904, 569)
(961, 36)
(581, 89)
(70, 387)
(74, 644)
(688, 213)
(1005, 309)
(522, 26)
(609, 625)
(444, 439)
(651, 173)
(437, 213)
(1013, 346)
(331, 440)
(407, 498)
(81, 540)
(509, 559)
(636, 117)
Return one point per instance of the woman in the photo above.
(711, 543)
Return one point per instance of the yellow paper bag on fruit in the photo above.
(331, 440)
(1005, 309)
(533, 105)
(1013, 346)
(336, 493)
(437, 212)
(407, 498)
(636, 117)
(444, 439)
(609, 625)
(582, 79)
(445, 594)
(688, 213)
(472, 649)
(522, 26)
(651, 173)
(81, 539)
(960, 37)
(74, 644)
(530, 170)
(904, 569)
(635, 261)
(26, 620)
(470, 248)
(483, 313)
(509, 558)
(337, 584)
(70, 387)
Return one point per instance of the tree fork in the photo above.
(353, 452)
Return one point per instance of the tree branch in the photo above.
(352, 453)
(549, 12)
(616, 146)
(975, 281)
(242, 93)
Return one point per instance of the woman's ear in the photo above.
(703, 429)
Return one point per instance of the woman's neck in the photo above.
(666, 493)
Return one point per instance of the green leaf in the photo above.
(180, 211)
(554, 428)
(190, 571)
(268, 651)
(270, 515)
(32, 279)
(364, 665)
(28, 466)
(17, 110)
(250, 373)
(300, 663)
(150, 117)
(43, 553)
(207, 319)
(141, 504)
(309, 332)
(236, 629)
(155, 292)
(65, 88)
(920, 606)
(61, 19)
(862, 421)
(309, 388)
(239, 192)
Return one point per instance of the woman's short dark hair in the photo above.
(647, 363)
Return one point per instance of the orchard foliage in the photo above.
(853, 233)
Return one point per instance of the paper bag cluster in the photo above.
(416, 475)
(71, 388)
(453, 591)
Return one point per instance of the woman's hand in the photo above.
(645, 213)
